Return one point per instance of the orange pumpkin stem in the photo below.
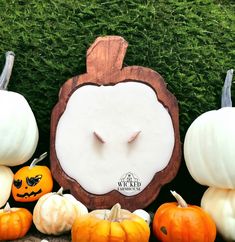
(36, 160)
(180, 200)
(115, 213)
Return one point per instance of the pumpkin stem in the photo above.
(115, 213)
(36, 160)
(180, 200)
(6, 73)
(60, 191)
(7, 208)
(226, 100)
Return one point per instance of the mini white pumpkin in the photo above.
(209, 144)
(220, 204)
(18, 127)
(144, 215)
(54, 213)
(6, 180)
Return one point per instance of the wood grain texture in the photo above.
(104, 67)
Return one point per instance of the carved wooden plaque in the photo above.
(114, 131)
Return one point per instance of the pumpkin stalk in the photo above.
(36, 160)
(115, 213)
(7, 208)
(60, 192)
(6, 73)
(226, 100)
(180, 200)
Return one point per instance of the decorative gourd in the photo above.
(178, 221)
(18, 127)
(54, 213)
(14, 223)
(114, 131)
(6, 179)
(220, 204)
(144, 215)
(209, 146)
(31, 182)
(110, 225)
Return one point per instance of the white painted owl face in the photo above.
(114, 137)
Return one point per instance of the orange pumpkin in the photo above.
(14, 223)
(110, 225)
(182, 222)
(31, 182)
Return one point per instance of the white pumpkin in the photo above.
(220, 204)
(209, 146)
(54, 213)
(6, 180)
(18, 127)
(144, 215)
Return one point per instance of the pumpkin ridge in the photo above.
(175, 214)
(20, 216)
(123, 228)
(26, 220)
(13, 216)
(208, 224)
(140, 225)
(91, 228)
(39, 210)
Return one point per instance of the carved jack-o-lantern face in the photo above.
(31, 182)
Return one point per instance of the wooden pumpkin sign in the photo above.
(114, 131)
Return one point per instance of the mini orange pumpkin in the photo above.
(31, 182)
(14, 223)
(110, 225)
(182, 222)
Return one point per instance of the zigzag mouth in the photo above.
(29, 194)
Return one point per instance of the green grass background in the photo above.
(189, 42)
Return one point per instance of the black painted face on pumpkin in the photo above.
(30, 184)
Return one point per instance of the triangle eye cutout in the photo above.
(134, 136)
(98, 137)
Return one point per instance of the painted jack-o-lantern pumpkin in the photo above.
(114, 131)
(31, 182)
